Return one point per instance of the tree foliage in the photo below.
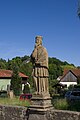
(24, 65)
(16, 81)
(26, 89)
(2, 64)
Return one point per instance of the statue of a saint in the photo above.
(39, 58)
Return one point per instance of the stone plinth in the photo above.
(39, 107)
(40, 102)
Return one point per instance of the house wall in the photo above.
(69, 83)
(4, 83)
(69, 79)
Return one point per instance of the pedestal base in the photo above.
(39, 107)
(41, 102)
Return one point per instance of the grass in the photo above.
(14, 102)
(60, 104)
(63, 104)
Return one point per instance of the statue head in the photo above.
(38, 40)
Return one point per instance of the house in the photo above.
(59, 78)
(5, 79)
(70, 77)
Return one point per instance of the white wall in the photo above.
(69, 79)
(4, 83)
(69, 83)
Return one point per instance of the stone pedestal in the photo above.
(39, 107)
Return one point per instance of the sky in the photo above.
(56, 20)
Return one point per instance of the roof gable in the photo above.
(69, 77)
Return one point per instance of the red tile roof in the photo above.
(8, 73)
(74, 71)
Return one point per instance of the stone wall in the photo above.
(63, 115)
(20, 113)
(13, 113)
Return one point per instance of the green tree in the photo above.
(25, 58)
(55, 71)
(17, 60)
(3, 64)
(16, 81)
(9, 65)
(26, 89)
(26, 68)
(52, 88)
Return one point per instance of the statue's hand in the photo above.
(37, 63)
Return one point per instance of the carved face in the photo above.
(38, 41)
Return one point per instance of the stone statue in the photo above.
(39, 58)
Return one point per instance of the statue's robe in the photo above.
(40, 70)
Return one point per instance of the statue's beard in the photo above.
(37, 45)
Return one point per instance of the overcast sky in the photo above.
(56, 20)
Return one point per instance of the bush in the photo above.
(63, 104)
(60, 104)
(74, 106)
(77, 86)
(71, 87)
(26, 89)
